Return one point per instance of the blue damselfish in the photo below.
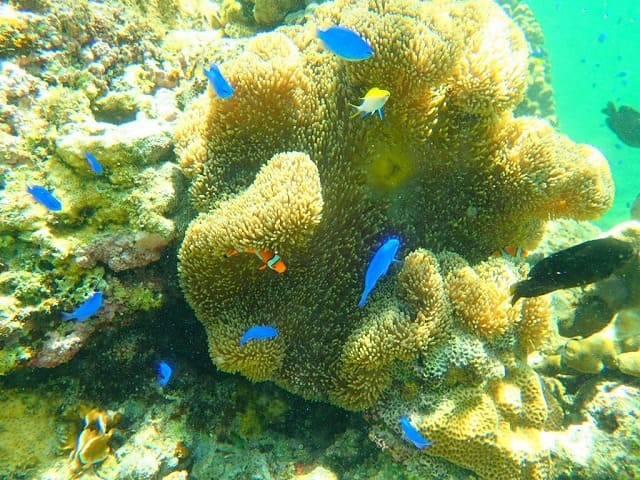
(379, 266)
(94, 164)
(258, 332)
(412, 434)
(345, 43)
(164, 373)
(217, 81)
(44, 197)
(87, 309)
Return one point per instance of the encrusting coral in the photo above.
(477, 400)
(448, 168)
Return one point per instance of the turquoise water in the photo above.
(593, 46)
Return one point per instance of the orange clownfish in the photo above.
(269, 259)
(511, 252)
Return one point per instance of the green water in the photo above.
(593, 47)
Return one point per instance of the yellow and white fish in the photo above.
(372, 102)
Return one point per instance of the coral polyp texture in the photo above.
(448, 168)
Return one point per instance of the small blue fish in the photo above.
(87, 309)
(412, 434)
(345, 43)
(537, 53)
(217, 81)
(44, 197)
(258, 332)
(378, 267)
(93, 163)
(165, 372)
(602, 37)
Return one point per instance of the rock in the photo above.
(140, 142)
(318, 473)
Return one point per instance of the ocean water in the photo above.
(593, 47)
(132, 392)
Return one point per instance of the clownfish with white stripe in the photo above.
(510, 251)
(269, 259)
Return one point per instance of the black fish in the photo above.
(579, 265)
(625, 122)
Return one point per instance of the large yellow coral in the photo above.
(449, 168)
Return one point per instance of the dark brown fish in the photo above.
(625, 122)
(575, 266)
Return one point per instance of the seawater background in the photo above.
(594, 47)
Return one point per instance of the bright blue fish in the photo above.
(217, 81)
(345, 43)
(258, 332)
(412, 434)
(379, 266)
(93, 163)
(164, 373)
(84, 311)
(44, 197)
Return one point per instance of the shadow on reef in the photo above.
(116, 372)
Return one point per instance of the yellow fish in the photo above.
(372, 102)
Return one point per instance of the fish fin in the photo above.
(381, 113)
(610, 109)
(263, 267)
(67, 316)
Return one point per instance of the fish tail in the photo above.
(516, 291)
(67, 316)
(363, 300)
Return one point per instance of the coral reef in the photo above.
(480, 405)
(453, 168)
(538, 99)
(27, 436)
(617, 346)
(463, 175)
(54, 89)
(606, 413)
(596, 322)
